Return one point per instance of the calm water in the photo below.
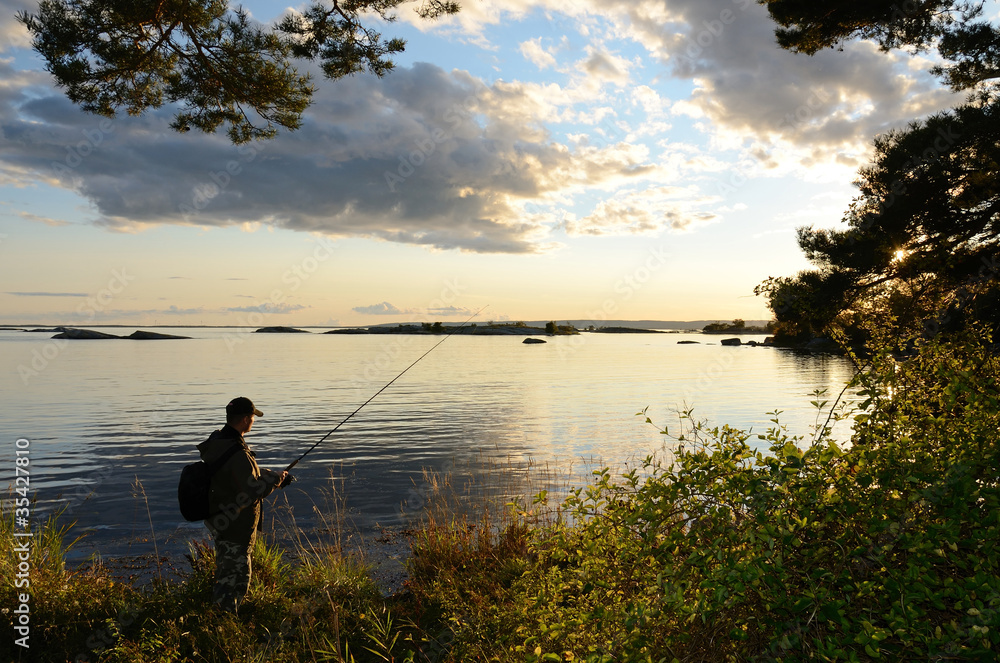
(111, 423)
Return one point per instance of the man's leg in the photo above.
(232, 574)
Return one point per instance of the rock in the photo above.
(348, 331)
(688, 342)
(84, 334)
(532, 340)
(140, 335)
(731, 341)
(281, 330)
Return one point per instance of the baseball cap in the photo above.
(242, 406)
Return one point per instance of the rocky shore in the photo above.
(90, 335)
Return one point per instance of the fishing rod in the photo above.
(344, 421)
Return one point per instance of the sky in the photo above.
(526, 160)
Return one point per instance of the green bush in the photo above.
(771, 547)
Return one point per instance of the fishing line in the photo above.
(345, 420)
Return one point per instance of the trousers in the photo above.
(232, 574)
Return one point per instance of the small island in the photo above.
(91, 335)
(737, 326)
(281, 330)
(488, 329)
(625, 330)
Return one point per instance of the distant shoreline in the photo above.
(580, 323)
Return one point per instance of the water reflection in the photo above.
(103, 415)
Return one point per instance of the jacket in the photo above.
(237, 488)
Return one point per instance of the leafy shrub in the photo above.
(766, 547)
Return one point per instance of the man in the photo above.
(238, 488)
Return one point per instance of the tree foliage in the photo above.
(924, 229)
(217, 63)
(920, 242)
(969, 44)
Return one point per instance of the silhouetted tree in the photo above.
(969, 44)
(222, 67)
(921, 241)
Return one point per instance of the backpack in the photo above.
(196, 483)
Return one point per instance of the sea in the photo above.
(107, 425)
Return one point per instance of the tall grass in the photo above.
(310, 599)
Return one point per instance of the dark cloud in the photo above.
(402, 158)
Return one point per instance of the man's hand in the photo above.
(278, 479)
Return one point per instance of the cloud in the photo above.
(805, 110)
(448, 311)
(644, 212)
(267, 307)
(402, 159)
(443, 160)
(174, 310)
(385, 308)
(55, 223)
(533, 52)
(606, 67)
(47, 294)
(747, 86)
(12, 33)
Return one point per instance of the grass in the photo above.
(307, 601)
